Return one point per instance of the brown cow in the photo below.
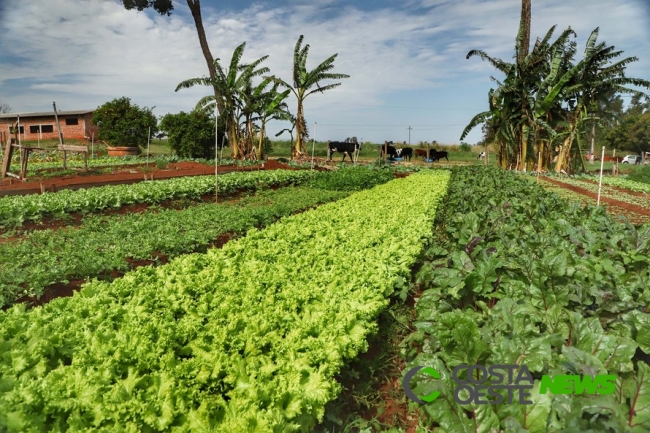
(420, 152)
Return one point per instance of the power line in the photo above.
(383, 125)
(414, 108)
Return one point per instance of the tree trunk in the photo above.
(234, 139)
(195, 8)
(259, 150)
(524, 150)
(299, 131)
(565, 151)
(525, 22)
(563, 156)
(250, 145)
(593, 136)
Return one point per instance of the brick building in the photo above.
(42, 126)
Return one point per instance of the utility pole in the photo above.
(409, 128)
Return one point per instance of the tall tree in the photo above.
(303, 81)
(524, 33)
(165, 7)
(5, 108)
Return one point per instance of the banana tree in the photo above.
(597, 77)
(304, 82)
(291, 119)
(271, 106)
(230, 83)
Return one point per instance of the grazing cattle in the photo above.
(420, 152)
(342, 147)
(435, 155)
(481, 155)
(405, 153)
(392, 152)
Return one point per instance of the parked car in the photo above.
(632, 159)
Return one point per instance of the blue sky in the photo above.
(406, 59)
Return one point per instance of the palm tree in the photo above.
(303, 81)
(229, 85)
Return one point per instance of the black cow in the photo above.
(405, 153)
(435, 155)
(392, 151)
(342, 147)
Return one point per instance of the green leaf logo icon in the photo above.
(406, 384)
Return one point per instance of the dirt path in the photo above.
(613, 204)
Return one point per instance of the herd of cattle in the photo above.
(407, 153)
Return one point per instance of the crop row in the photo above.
(55, 160)
(606, 191)
(522, 277)
(15, 210)
(103, 244)
(623, 182)
(617, 211)
(244, 338)
(618, 181)
(566, 193)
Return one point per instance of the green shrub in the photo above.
(123, 123)
(191, 135)
(465, 148)
(640, 175)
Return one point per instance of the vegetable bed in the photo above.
(521, 276)
(104, 244)
(247, 338)
(17, 209)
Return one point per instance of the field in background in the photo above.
(369, 152)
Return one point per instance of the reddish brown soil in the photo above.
(628, 207)
(11, 186)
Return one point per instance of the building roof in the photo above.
(45, 114)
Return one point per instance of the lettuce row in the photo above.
(522, 276)
(15, 210)
(244, 338)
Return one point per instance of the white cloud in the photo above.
(85, 52)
